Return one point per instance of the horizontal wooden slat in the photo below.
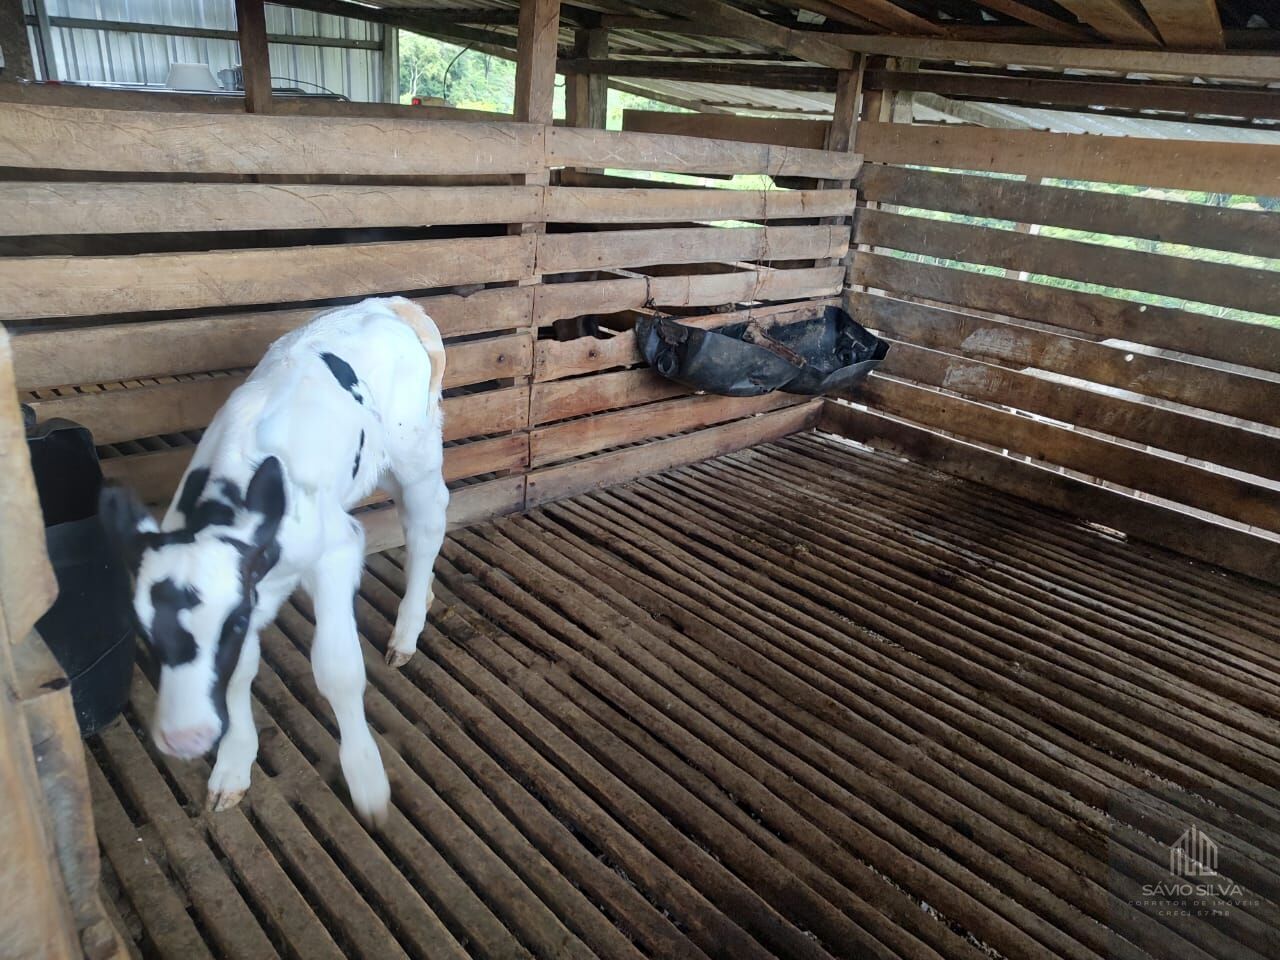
(471, 504)
(1253, 232)
(1217, 167)
(589, 434)
(165, 408)
(1244, 288)
(562, 300)
(87, 286)
(1208, 388)
(130, 351)
(28, 209)
(555, 359)
(1237, 65)
(810, 134)
(632, 205)
(1250, 345)
(78, 138)
(573, 398)
(566, 252)
(1159, 476)
(1150, 522)
(155, 476)
(1073, 92)
(568, 479)
(1192, 436)
(580, 147)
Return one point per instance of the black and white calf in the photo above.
(335, 408)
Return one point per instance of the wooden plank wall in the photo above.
(149, 257)
(962, 260)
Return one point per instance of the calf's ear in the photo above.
(127, 522)
(265, 497)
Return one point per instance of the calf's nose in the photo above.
(188, 742)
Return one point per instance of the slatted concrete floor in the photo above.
(800, 701)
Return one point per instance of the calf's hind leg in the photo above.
(338, 664)
(423, 505)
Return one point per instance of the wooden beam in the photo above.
(729, 21)
(430, 23)
(1249, 168)
(587, 95)
(1073, 93)
(255, 59)
(14, 44)
(1222, 66)
(1187, 24)
(890, 15)
(775, 78)
(810, 134)
(536, 48)
(1038, 18)
(1123, 21)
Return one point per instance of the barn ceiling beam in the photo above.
(726, 21)
(1123, 21)
(1187, 24)
(424, 22)
(1224, 66)
(788, 78)
(1037, 18)
(889, 15)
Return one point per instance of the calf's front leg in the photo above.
(338, 665)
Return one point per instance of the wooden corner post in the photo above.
(255, 60)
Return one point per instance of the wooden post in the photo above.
(841, 133)
(587, 95)
(390, 63)
(536, 60)
(14, 43)
(251, 24)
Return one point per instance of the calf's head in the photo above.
(195, 589)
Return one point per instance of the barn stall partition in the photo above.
(704, 678)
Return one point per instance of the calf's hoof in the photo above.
(220, 800)
(398, 658)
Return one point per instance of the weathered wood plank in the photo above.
(80, 138)
(1225, 66)
(30, 209)
(567, 252)
(1187, 24)
(155, 476)
(1200, 335)
(575, 147)
(1208, 388)
(1153, 523)
(636, 205)
(471, 504)
(1218, 167)
(563, 399)
(589, 434)
(572, 478)
(1160, 476)
(165, 408)
(810, 134)
(1243, 288)
(1067, 92)
(561, 300)
(1254, 232)
(1123, 21)
(133, 351)
(88, 286)
(1196, 437)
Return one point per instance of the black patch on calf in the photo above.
(171, 641)
(343, 373)
(355, 467)
(192, 487)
